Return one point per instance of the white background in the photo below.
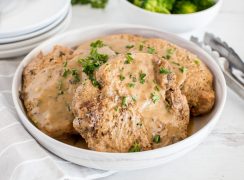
(221, 155)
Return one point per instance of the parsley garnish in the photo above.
(75, 76)
(141, 47)
(66, 72)
(156, 139)
(124, 101)
(169, 53)
(135, 147)
(93, 62)
(197, 61)
(97, 44)
(129, 46)
(150, 50)
(155, 97)
(121, 77)
(129, 58)
(164, 71)
(142, 77)
(183, 69)
(131, 85)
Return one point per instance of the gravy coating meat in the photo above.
(138, 107)
(196, 81)
(49, 83)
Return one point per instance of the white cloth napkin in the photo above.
(21, 157)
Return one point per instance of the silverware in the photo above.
(228, 60)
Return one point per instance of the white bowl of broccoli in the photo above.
(176, 16)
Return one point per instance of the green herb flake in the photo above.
(142, 77)
(175, 63)
(66, 72)
(135, 147)
(141, 47)
(93, 62)
(121, 77)
(116, 108)
(169, 53)
(134, 98)
(151, 50)
(183, 69)
(124, 102)
(129, 46)
(197, 61)
(97, 44)
(75, 76)
(129, 58)
(155, 97)
(164, 71)
(156, 88)
(65, 64)
(156, 139)
(131, 85)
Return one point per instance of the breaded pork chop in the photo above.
(138, 107)
(49, 82)
(192, 74)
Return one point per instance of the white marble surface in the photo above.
(221, 155)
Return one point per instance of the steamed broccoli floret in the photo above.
(184, 7)
(204, 4)
(160, 6)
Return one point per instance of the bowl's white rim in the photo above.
(217, 4)
(23, 117)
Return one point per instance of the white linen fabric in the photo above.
(21, 157)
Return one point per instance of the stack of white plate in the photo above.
(24, 24)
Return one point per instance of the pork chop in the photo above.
(138, 107)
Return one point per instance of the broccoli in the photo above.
(184, 7)
(94, 3)
(173, 6)
(204, 4)
(160, 6)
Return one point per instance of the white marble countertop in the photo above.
(221, 155)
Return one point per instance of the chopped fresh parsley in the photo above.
(131, 85)
(197, 61)
(151, 50)
(129, 58)
(97, 44)
(93, 62)
(156, 139)
(169, 53)
(124, 102)
(175, 63)
(141, 47)
(75, 76)
(164, 71)
(183, 69)
(134, 98)
(94, 3)
(121, 77)
(116, 108)
(129, 46)
(65, 64)
(135, 147)
(156, 88)
(142, 77)
(66, 72)
(155, 97)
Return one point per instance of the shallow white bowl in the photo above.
(175, 23)
(122, 161)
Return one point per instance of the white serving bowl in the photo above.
(122, 161)
(175, 23)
